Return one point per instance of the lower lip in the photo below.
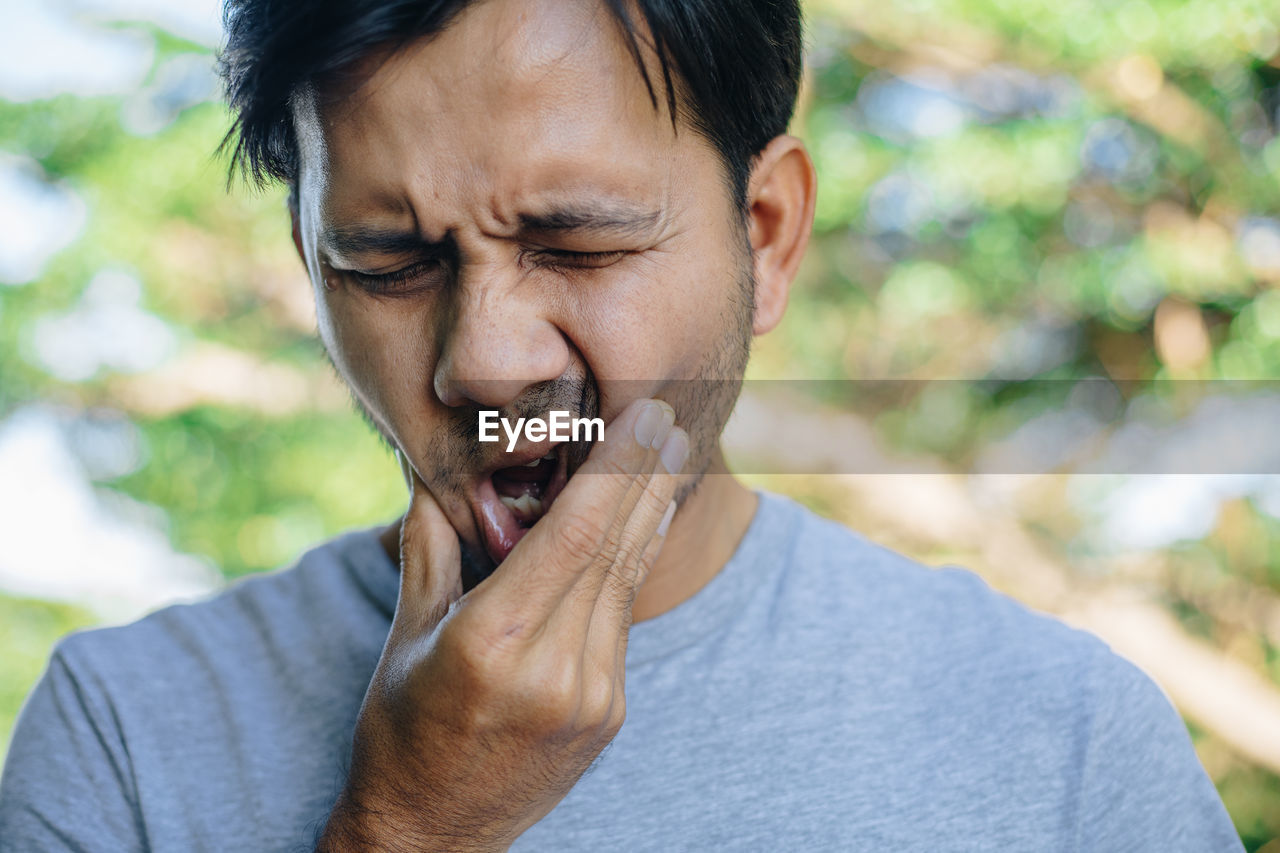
(498, 524)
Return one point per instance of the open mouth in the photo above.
(513, 499)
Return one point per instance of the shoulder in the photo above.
(334, 591)
(934, 638)
(1002, 692)
(252, 690)
(896, 599)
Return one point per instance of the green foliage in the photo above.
(253, 494)
(28, 630)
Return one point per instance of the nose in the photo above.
(498, 343)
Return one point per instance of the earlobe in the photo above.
(781, 198)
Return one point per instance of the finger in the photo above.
(611, 617)
(649, 514)
(584, 526)
(586, 590)
(430, 561)
(572, 621)
(601, 625)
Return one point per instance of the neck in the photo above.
(703, 535)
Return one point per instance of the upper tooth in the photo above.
(535, 463)
(525, 504)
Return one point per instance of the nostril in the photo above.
(482, 393)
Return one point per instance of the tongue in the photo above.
(505, 524)
(499, 525)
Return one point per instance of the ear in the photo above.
(780, 197)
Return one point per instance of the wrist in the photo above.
(362, 823)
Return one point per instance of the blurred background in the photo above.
(1052, 228)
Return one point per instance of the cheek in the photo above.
(375, 347)
(658, 321)
(618, 326)
(343, 335)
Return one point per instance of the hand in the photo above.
(485, 709)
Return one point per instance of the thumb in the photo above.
(430, 560)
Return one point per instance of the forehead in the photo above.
(517, 102)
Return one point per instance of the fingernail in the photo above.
(668, 420)
(675, 450)
(647, 423)
(666, 519)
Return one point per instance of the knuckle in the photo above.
(645, 562)
(617, 716)
(551, 695)
(476, 664)
(657, 496)
(581, 536)
(630, 551)
(619, 585)
(615, 468)
(562, 683)
(598, 701)
(482, 657)
(630, 544)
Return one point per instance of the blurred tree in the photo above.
(1064, 190)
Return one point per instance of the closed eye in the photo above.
(416, 276)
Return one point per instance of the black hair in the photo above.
(730, 68)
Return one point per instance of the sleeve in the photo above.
(67, 782)
(1143, 787)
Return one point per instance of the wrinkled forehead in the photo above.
(514, 99)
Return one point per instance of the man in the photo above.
(527, 206)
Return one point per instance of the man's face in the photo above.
(498, 218)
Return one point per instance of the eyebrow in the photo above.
(589, 219)
(345, 241)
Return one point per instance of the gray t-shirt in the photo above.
(820, 693)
